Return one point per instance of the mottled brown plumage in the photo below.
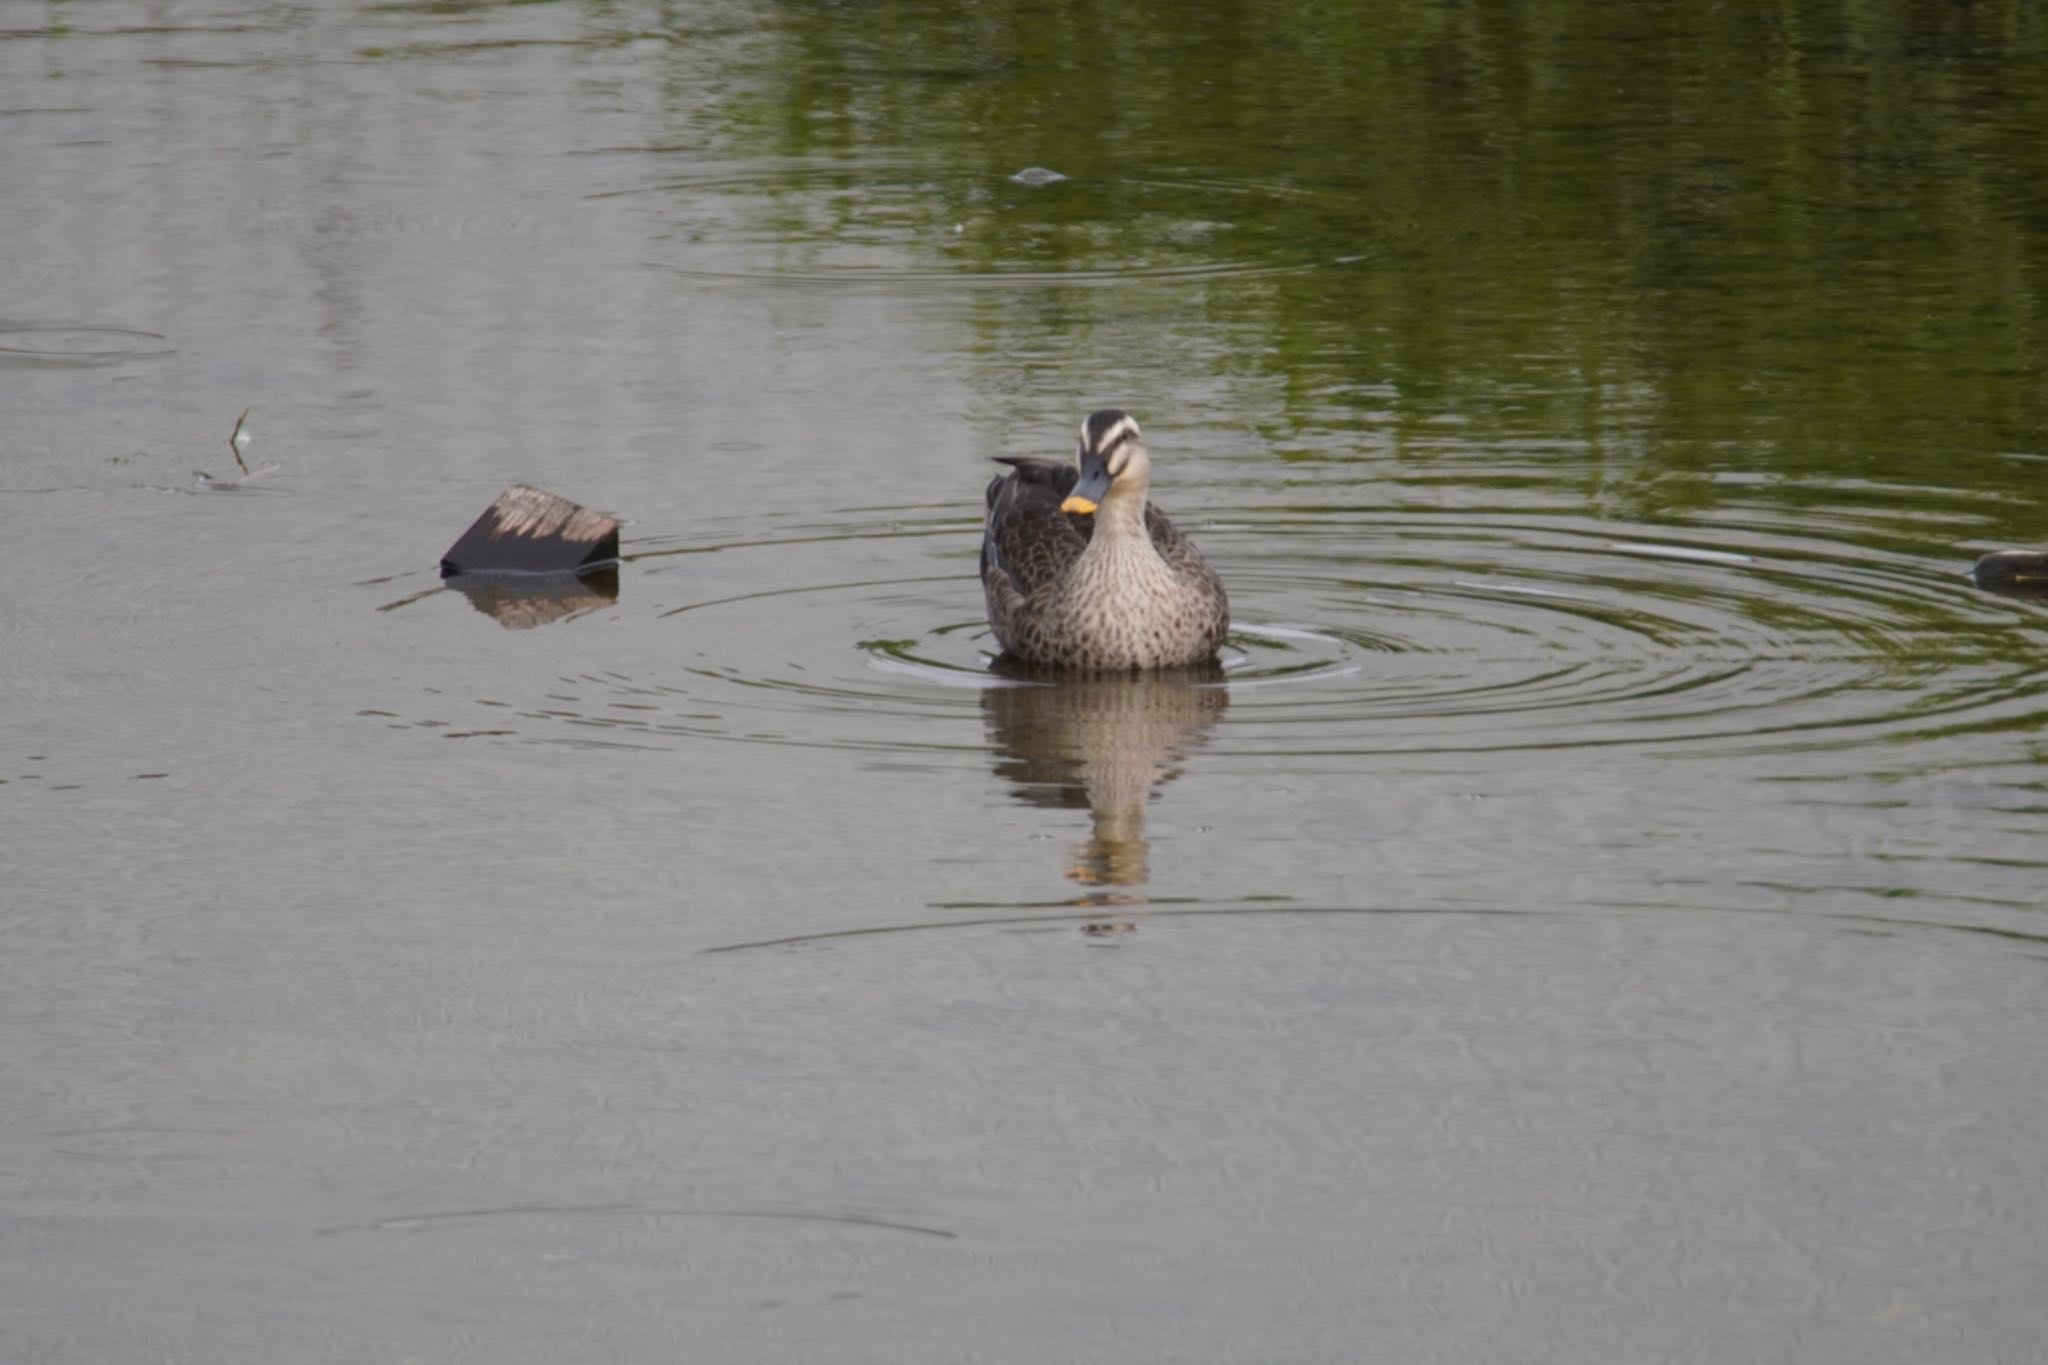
(1110, 589)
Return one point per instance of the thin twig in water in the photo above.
(235, 442)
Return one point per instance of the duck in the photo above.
(2013, 573)
(1083, 573)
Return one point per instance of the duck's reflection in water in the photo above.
(1103, 743)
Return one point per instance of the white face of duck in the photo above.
(1112, 455)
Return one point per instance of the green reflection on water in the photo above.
(1801, 238)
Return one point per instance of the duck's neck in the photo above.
(1120, 520)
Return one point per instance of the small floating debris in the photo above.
(1684, 552)
(529, 530)
(2013, 573)
(1036, 176)
(238, 441)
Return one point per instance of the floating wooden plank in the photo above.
(2013, 573)
(529, 530)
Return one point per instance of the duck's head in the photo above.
(1112, 458)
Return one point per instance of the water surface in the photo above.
(1593, 912)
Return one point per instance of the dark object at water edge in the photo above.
(530, 530)
(2013, 573)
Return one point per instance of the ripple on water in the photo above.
(1390, 635)
(76, 344)
(903, 226)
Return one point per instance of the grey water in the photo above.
(1595, 913)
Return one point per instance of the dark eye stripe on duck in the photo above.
(1115, 441)
(1104, 431)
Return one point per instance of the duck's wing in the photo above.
(1204, 587)
(1026, 536)
(1177, 550)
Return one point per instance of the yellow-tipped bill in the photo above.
(1090, 486)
